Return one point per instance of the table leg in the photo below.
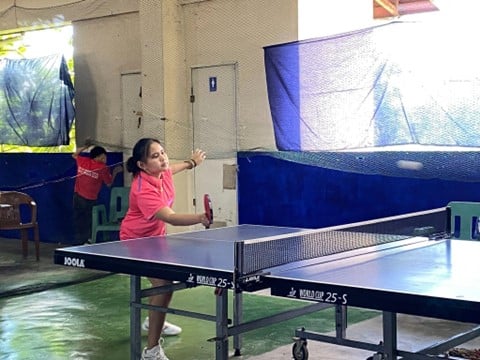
(341, 321)
(237, 320)
(221, 342)
(135, 317)
(390, 334)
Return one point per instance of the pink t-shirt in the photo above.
(148, 194)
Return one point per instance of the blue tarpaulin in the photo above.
(36, 101)
(395, 84)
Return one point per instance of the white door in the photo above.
(214, 118)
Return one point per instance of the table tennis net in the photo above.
(261, 254)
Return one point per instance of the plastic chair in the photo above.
(12, 205)
(110, 222)
(462, 219)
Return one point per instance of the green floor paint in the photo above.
(90, 321)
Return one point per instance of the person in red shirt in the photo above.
(92, 172)
(152, 193)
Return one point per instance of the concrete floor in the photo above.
(414, 333)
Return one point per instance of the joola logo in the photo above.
(68, 261)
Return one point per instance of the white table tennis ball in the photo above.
(409, 165)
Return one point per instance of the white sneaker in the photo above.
(169, 329)
(145, 324)
(155, 353)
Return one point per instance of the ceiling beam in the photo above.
(389, 6)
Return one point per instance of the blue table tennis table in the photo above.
(413, 271)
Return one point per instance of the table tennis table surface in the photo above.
(415, 275)
(211, 249)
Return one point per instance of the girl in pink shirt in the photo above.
(150, 207)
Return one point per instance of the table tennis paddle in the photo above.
(207, 204)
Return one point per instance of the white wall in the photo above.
(104, 48)
(166, 39)
(223, 31)
(322, 18)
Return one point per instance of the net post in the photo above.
(238, 259)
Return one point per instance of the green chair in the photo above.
(110, 222)
(462, 219)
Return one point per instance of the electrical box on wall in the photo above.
(229, 177)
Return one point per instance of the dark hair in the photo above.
(97, 151)
(139, 153)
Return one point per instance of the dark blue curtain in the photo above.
(36, 101)
(49, 179)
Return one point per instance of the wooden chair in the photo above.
(463, 217)
(103, 222)
(13, 205)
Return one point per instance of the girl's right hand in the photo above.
(204, 220)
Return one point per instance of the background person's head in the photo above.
(99, 154)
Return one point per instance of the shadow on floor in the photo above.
(24, 276)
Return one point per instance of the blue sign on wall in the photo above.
(212, 82)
